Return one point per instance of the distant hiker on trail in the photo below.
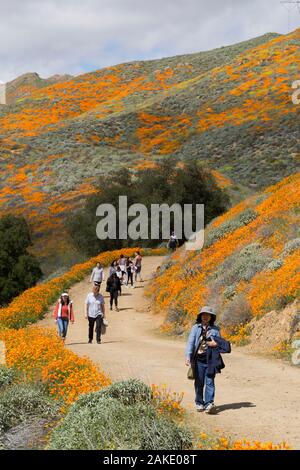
(113, 286)
(97, 274)
(203, 355)
(95, 312)
(130, 268)
(63, 313)
(122, 264)
(113, 267)
(138, 266)
(119, 273)
(173, 242)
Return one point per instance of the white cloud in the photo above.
(69, 36)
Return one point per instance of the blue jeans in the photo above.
(62, 324)
(201, 381)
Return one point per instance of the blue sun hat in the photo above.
(207, 309)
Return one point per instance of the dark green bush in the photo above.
(19, 270)
(166, 184)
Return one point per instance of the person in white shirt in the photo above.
(95, 312)
(173, 242)
(120, 275)
(122, 264)
(97, 274)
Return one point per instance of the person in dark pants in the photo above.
(203, 337)
(113, 286)
(130, 268)
(173, 242)
(95, 312)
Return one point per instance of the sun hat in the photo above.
(65, 294)
(207, 309)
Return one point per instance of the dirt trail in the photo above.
(257, 398)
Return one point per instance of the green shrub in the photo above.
(229, 292)
(236, 312)
(176, 317)
(190, 271)
(290, 246)
(22, 402)
(274, 265)
(168, 264)
(229, 226)
(108, 424)
(7, 376)
(127, 392)
(243, 265)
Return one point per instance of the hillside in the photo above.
(230, 108)
(26, 84)
(249, 267)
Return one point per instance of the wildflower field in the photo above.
(229, 108)
(249, 264)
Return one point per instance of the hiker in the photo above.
(113, 286)
(173, 242)
(138, 266)
(97, 274)
(122, 264)
(203, 354)
(63, 313)
(120, 275)
(95, 312)
(130, 268)
(113, 267)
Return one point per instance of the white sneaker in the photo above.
(210, 408)
(200, 408)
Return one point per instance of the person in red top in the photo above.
(63, 313)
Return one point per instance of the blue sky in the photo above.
(71, 36)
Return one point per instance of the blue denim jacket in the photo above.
(194, 337)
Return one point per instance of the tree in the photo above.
(168, 182)
(19, 270)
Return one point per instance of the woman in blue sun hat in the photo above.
(203, 354)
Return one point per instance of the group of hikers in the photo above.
(122, 272)
(204, 346)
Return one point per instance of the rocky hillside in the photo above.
(230, 108)
(249, 267)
